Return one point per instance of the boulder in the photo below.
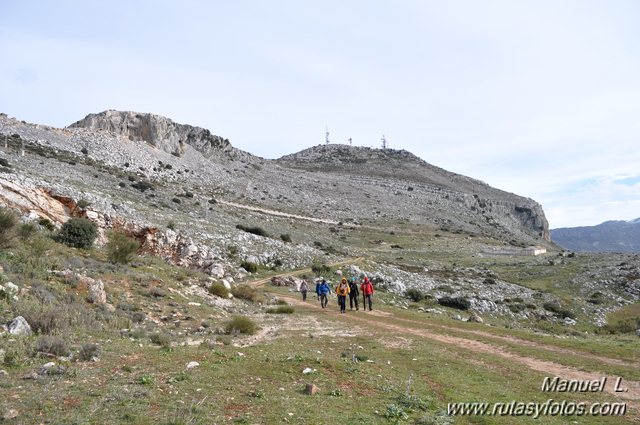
(19, 327)
(474, 318)
(310, 389)
(97, 295)
(217, 271)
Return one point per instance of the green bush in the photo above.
(142, 186)
(622, 326)
(78, 233)
(414, 295)
(46, 223)
(8, 223)
(319, 268)
(219, 289)
(285, 237)
(121, 248)
(161, 339)
(241, 325)
(250, 267)
(83, 204)
(252, 229)
(555, 307)
(52, 345)
(26, 231)
(282, 309)
(460, 303)
(245, 292)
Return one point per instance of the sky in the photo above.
(536, 97)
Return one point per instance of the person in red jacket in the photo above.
(367, 293)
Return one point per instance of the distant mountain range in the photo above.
(610, 236)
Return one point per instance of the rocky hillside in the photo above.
(466, 202)
(610, 236)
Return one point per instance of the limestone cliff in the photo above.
(160, 132)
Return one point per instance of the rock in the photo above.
(569, 321)
(19, 327)
(456, 317)
(2, 352)
(10, 414)
(308, 370)
(11, 288)
(253, 259)
(474, 318)
(638, 332)
(339, 272)
(4, 372)
(226, 284)
(191, 365)
(217, 271)
(96, 292)
(311, 389)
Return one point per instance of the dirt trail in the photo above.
(549, 368)
(527, 343)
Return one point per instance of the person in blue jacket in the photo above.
(323, 291)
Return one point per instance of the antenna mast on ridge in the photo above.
(326, 135)
(384, 142)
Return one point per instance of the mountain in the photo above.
(610, 236)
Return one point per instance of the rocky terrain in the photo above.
(187, 195)
(204, 323)
(610, 236)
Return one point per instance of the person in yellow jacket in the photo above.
(342, 290)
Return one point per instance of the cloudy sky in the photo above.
(540, 98)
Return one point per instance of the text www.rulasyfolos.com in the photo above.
(536, 409)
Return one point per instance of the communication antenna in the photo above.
(350, 141)
(326, 135)
(384, 142)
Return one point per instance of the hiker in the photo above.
(318, 281)
(342, 290)
(367, 293)
(353, 293)
(323, 291)
(304, 288)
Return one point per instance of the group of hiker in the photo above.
(346, 287)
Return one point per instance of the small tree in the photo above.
(121, 248)
(78, 233)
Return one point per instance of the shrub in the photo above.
(250, 267)
(219, 290)
(78, 233)
(121, 248)
(8, 223)
(171, 225)
(241, 325)
(161, 339)
(142, 186)
(245, 292)
(84, 151)
(489, 281)
(83, 204)
(46, 223)
(282, 309)
(52, 345)
(88, 352)
(4, 163)
(621, 326)
(414, 295)
(555, 307)
(285, 237)
(252, 229)
(319, 268)
(26, 231)
(460, 303)
(176, 200)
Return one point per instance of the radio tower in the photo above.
(326, 135)
(384, 142)
(350, 141)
